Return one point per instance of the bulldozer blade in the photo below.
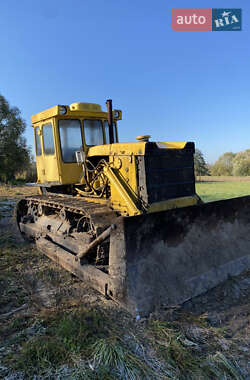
(166, 258)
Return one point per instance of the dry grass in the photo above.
(222, 179)
(184, 352)
(17, 191)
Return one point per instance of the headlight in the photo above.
(62, 110)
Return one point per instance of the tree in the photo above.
(14, 153)
(224, 165)
(200, 165)
(241, 163)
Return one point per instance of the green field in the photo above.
(214, 191)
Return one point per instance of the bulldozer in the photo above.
(125, 217)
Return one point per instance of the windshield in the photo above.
(71, 138)
(93, 132)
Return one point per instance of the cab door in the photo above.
(70, 141)
(39, 157)
(50, 166)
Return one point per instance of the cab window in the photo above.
(71, 138)
(48, 139)
(38, 143)
(106, 129)
(93, 132)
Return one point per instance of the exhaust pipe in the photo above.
(110, 121)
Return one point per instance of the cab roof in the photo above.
(75, 110)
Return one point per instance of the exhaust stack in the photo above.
(110, 121)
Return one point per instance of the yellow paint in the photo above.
(123, 194)
(127, 176)
(143, 138)
(76, 110)
(121, 149)
(173, 203)
(172, 145)
(134, 148)
(85, 107)
(47, 165)
(82, 194)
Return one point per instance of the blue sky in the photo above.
(175, 86)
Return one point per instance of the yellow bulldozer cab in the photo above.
(61, 131)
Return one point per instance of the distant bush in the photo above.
(15, 155)
(232, 164)
(224, 165)
(241, 163)
(27, 175)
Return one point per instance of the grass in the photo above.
(223, 179)
(213, 191)
(16, 286)
(17, 191)
(86, 341)
(87, 344)
(187, 358)
(115, 356)
(217, 366)
(66, 334)
(168, 343)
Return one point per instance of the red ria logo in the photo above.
(191, 19)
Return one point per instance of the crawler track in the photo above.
(67, 222)
(100, 214)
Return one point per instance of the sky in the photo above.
(172, 85)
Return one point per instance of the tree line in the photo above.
(228, 164)
(15, 156)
